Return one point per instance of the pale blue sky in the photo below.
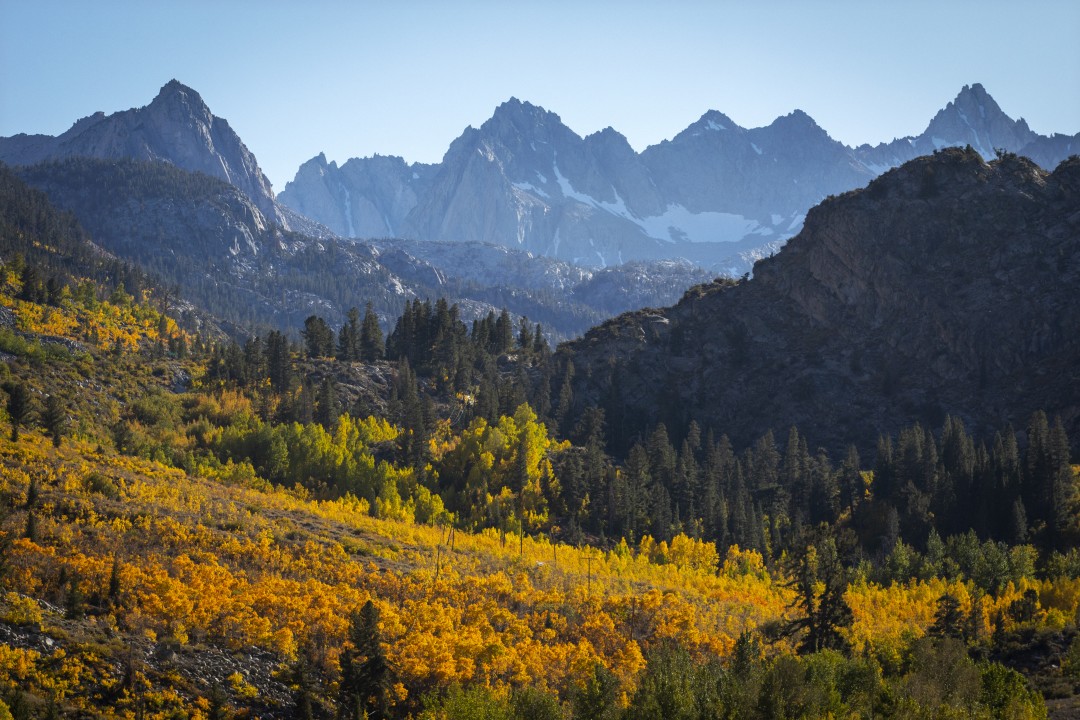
(405, 78)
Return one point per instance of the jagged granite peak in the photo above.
(797, 121)
(177, 126)
(944, 287)
(712, 128)
(974, 116)
(717, 121)
(364, 197)
(525, 114)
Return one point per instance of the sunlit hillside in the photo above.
(147, 572)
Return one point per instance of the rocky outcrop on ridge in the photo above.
(945, 287)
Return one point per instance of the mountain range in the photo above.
(946, 287)
(716, 194)
(172, 188)
(209, 240)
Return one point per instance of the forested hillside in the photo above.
(425, 523)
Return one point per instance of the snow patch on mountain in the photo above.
(679, 224)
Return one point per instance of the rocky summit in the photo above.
(177, 126)
(947, 286)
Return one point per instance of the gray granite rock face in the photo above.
(176, 126)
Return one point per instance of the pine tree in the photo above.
(632, 509)
(255, 361)
(365, 673)
(303, 697)
(30, 532)
(19, 407)
(55, 420)
(318, 337)
(32, 289)
(852, 488)
(504, 334)
(74, 599)
(218, 707)
(348, 349)
(33, 493)
(948, 619)
(819, 581)
(279, 361)
(540, 344)
(565, 401)
(327, 408)
(525, 336)
(372, 347)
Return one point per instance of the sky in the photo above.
(352, 79)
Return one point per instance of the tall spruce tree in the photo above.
(327, 407)
(55, 419)
(278, 361)
(318, 337)
(366, 676)
(19, 407)
(372, 347)
(348, 349)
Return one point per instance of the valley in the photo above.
(255, 467)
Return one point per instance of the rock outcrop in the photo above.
(947, 286)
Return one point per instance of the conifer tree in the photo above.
(820, 580)
(33, 493)
(540, 345)
(303, 697)
(114, 582)
(55, 420)
(30, 532)
(278, 360)
(948, 619)
(348, 349)
(19, 407)
(327, 408)
(318, 337)
(372, 347)
(565, 401)
(525, 336)
(365, 673)
(504, 334)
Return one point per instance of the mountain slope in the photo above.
(716, 194)
(176, 126)
(367, 197)
(210, 240)
(946, 286)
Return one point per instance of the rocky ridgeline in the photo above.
(717, 194)
(946, 286)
